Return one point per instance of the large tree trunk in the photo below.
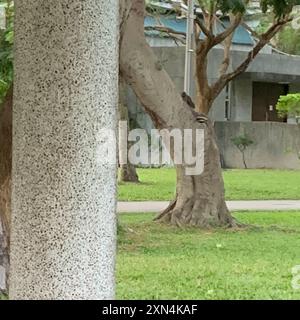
(200, 198)
(127, 172)
(5, 187)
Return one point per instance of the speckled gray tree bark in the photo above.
(64, 194)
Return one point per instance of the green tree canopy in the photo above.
(289, 105)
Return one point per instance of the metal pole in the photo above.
(189, 47)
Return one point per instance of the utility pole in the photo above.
(189, 47)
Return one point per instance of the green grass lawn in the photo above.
(159, 184)
(161, 262)
(156, 261)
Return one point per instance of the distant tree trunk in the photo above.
(244, 159)
(5, 187)
(200, 198)
(127, 172)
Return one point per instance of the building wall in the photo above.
(173, 60)
(276, 145)
(268, 68)
(169, 42)
(241, 100)
(294, 88)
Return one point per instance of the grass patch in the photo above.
(162, 262)
(159, 184)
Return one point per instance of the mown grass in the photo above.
(159, 184)
(162, 262)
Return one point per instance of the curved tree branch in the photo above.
(227, 32)
(265, 38)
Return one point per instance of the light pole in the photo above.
(189, 47)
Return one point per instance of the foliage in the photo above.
(289, 105)
(156, 261)
(6, 49)
(288, 40)
(242, 142)
(279, 8)
(159, 184)
(225, 6)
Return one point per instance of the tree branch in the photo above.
(248, 28)
(151, 83)
(226, 61)
(166, 30)
(203, 28)
(227, 32)
(265, 38)
(175, 35)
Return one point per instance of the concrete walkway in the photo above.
(254, 205)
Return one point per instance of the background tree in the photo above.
(6, 76)
(6, 52)
(289, 105)
(242, 142)
(287, 39)
(279, 13)
(5, 187)
(199, 199)
(127, 171)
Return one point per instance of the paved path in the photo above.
(268, 205)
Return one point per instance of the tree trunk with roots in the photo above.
(5, 187)
(200, 198)
(127, 172)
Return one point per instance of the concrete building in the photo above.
(244, 104)
(250, 97)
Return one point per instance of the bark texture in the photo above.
(5, 187)
(199, 199)
(127, 172)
